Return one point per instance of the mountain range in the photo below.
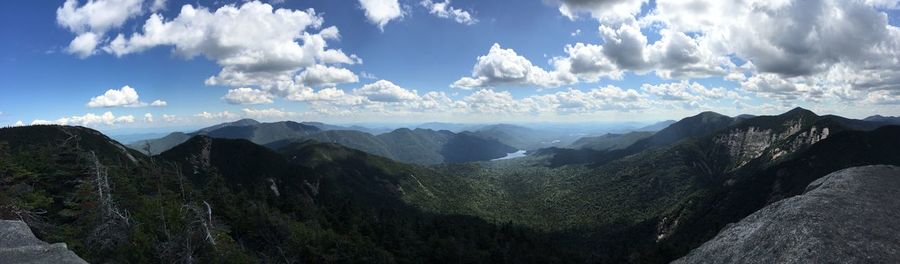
(293, 192)
(420, 146)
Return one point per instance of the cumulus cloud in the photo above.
(158, 5)
(318, 75)
(247, 96)
(505, 67)
(588, 62)
(270, 113)
(256, 44)
(610, 11)
(801, 49)
(93, 19)
(90, 119)
(380, 12)
(386, 91)
(125, 96)
(330, 94)
(689, 91)
(84, 45)
(599, 99)
(224, 115)
(444, 10)
(159, 103)
(148, 117)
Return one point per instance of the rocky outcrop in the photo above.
(745, 144)
(18, 245)
(849, 216)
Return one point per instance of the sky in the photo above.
(155, 64)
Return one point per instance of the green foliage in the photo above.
(231, 201)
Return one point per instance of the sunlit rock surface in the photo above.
(849, 216)
(18, 245)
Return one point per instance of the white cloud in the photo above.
(805, 50)
(224, 115)
(90, 119)
(688, 91)
(609, 98)
(84, 45)
(19, 123)
(256, 45)
(270, 113)
(158, 5)
(93, 19)
(577, 32)
(330, 94)
(169, 118)
(386, 91)
(325, 75)
(380, 12)
(96, 15)
(123, 97)
(492, 102)
(444, 10)
(773, 86)
(588, 62)
(883, 98)
(158, 103)
(505, 67)
(148, 117)
(609, 11)
(247, 96)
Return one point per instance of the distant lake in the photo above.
(512, 155)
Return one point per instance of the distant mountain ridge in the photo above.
(893, 120)
(420, 146)
(259, 133)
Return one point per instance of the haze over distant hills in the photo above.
(416, 193)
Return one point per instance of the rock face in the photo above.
(849, 216)
(18, 245)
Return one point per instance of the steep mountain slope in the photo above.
(849, 216)
(609, 141)
(693, 127)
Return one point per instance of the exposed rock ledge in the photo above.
(849, 216)
(18, 245)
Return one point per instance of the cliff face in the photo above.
(18, 245)
(743, 145)
(849, 216)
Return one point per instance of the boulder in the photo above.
(18, 245)
(849, 216)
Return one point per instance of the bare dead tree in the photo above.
(113, 221)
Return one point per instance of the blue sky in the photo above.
(410, 61)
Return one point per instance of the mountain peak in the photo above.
(799, 111)
(245, 121)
